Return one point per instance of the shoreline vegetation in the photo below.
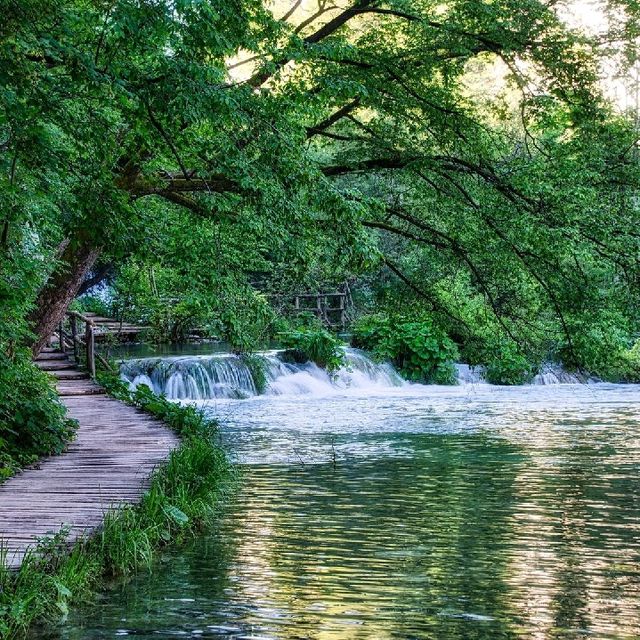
(184, 497)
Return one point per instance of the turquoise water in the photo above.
(417, 512)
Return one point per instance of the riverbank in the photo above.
(182, 499)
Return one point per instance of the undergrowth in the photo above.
(313, 343)
(183, 498)
(419, 350)
(33, 423)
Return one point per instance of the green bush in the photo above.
(32, 420)
(175, 321)
(92, 304)
(315, 344)
(599, 345)
(507, 365)
(420, 351)
(257, 366)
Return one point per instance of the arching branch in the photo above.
(323, 32)
(333, 118)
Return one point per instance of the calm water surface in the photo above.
(414, 513)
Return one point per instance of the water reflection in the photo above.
(437, 514)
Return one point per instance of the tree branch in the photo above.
(333, 118)
(323, 32)
(366, 165)
(168, 184)
(155, 122)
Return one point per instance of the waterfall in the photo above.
(229, 376)
(467, 374)
(555, 374)
(549, 374)
(226, 375)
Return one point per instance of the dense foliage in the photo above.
(313, 343)
(420, 351)
(32, 421)
(507, 365)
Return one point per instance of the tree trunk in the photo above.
(60, 290)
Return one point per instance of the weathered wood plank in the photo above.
(54, 365)
(71, 374)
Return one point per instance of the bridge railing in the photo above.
(330, 307)
(81, 342)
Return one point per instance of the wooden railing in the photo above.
(330, 307)
(83, 343)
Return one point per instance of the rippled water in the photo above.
(418, 512)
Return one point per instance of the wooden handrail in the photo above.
(85, 319)
(88, 342)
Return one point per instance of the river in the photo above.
(372, 509)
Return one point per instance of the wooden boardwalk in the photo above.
(107, 465)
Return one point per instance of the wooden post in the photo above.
(74, 337)
(61, 336)
(90, 342)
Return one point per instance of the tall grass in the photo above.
(183, 497)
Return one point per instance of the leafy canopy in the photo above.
(234, 148)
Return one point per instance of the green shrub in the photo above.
(315, 344)
(257, 366)
(629, 365)
(92, 304)
(175, 321)
(33, 423)
(507, 365)
(420, 351)
(599, 345)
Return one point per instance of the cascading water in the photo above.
(549, 374)
(555, 374)
(467, 374)
(230, 376)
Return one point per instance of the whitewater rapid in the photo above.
(226, 375)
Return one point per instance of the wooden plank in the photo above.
(72, 374)
(54, 365)
(86, 392)
(51, 356)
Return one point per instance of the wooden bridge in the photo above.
(331, 307)
(108, 464)
(102, 329)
